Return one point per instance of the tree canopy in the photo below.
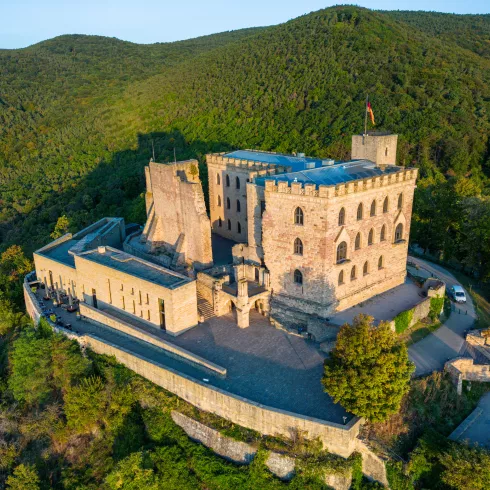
(368, 371)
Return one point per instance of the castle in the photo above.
(294, 237)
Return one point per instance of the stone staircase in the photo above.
(205, 308)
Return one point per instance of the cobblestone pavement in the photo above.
(264, 364)
(431, 353)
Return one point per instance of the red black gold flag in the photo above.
(371, 113)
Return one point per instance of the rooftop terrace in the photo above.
(134, 266)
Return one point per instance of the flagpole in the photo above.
(365, 116)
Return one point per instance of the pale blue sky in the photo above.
(25, 22)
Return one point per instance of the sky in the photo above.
(26, 22)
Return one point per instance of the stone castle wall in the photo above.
(177, 217)
(321, 234)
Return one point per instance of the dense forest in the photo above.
(81, 115)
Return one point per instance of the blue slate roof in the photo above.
(296, 163)
(338, 173)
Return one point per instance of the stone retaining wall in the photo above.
(106, 319)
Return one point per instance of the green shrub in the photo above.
(436, 305)
(403, 320)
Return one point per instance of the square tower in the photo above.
(376, 146)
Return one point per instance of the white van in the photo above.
(458, 294)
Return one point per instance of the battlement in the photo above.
(330, 191)
(262, 168)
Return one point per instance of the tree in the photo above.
(368, 371)
(30, 366)
(61, 227)
(133, 473)
(85, 405)
(466, 468)
(25, 477)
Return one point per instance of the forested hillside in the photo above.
(81, 115)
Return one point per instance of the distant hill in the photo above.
(81, 115)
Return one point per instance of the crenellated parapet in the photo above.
(261, 168)
(330, 191)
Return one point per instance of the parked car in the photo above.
(457, 294)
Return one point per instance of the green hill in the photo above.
(81, 115)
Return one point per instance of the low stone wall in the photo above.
(373, 467)
(32, 306)
(463, 369)
(104, 318)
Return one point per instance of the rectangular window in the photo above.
(110, 293)
(122, 287)
(161, 307)
(132, 290)
(148, 316)
(147, 299)
(140, 298)
(134, 307)
(123, 303)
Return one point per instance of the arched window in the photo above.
(358, 242)
(238, 206)
(298, 216)
(365, 268)
(228, 203)
(219, 201)
(237, 183)
(353, 273)
(373, 208)
(238, 227)
(298, 247)
(341, 252)
(371, 237)
(341, 277)
(381, 262)
(398, 232)
(386, 151)
(360, 210)
(342, 217)
(385, 205)
(220, 223)
(382, 235)
(227, 180)
(298, 277)
(218, 179)
(400, 200)
(229, 224)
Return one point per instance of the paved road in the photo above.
(476, 427)
(430, 353)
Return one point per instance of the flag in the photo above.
(371, 113)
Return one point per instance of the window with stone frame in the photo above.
(298, 246)
(228, 203)
(238, 206)
(385, 205)
(357, 243)
(237, 180)
(381, 261)
(219, 201)
(371, 237)
(342, 217)
(298, 216)
(382, 235)
(398, 232)
(360, 211)
(373, 208)
(341, 278)
(298, 277)
(400, 200)
(238, 227)
(229, 224)
(365, 268)
(353, 273)
(227, 180)
(341, 252)
(218, 179)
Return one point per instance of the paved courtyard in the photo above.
(264, 364)
(384, 306)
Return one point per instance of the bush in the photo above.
(436, 305)
(403, 320)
